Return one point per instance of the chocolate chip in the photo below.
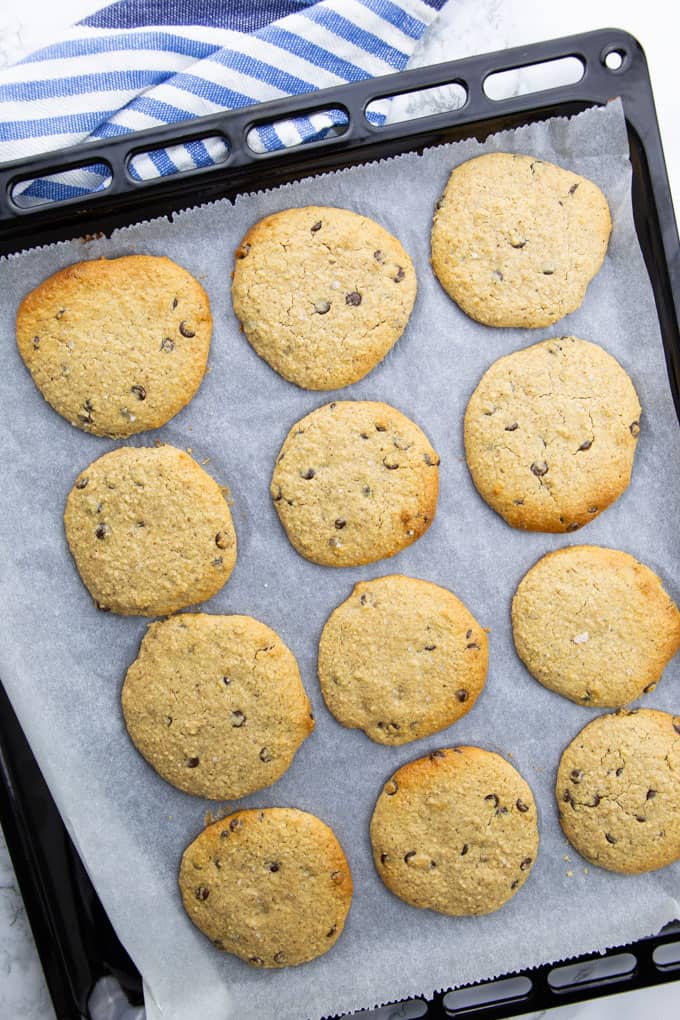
(279, 957)
(610, 839)
(337, 877)
(462, 695)
(217, 561)
(274, 866)
(548, 271)
(586, 444)
(640, 818)
(473, 644)
(331, 932)
(651, 794)
(517, 244)
(167, 344)
(592, 509)
(521, 806)
(82, 483)
(409, 855)
(192, 763)
(429, 648)
(497, 273)
(265, 754)
(87, 418)
(364, 600)
(321, 307)
(430, 461)
(353, 298)
(576, 775)
(399, 275)
(340, 523)
(168, 720)
(539, 469)
(512, 428)
(649, 688)
(221, 540)
(36, 343)
(468, 635)
(226, 680)
(139, 392)
(493, 798)
(316, 226)
(595, 801)
(237, 718)
(501, 811)
(235, 824)
(308, 474)
(379, 256)
(573, 188)
(102, 530)
(513, 885)
(525, 863)
(619, 770)
(175, 302)
(567, 798)
(202, 892)
(634, 428)
(390, 788)
(464, 849)
(390, 465)
(676, 725)
(101, 608)
(383, 858)
(381, 428)
(518, 502)
(243, 250)
(186, 330)
(436, 754)
(256, 961)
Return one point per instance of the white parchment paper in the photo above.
(63, 662)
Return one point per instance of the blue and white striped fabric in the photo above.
(143, 63)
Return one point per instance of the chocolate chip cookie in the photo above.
(215, 704)
(401, 659)
(455, 832)
(355, 481)
(594, 625)
(550, 434)
(618, 791)
(116, 346)
(322, 294)
(272, 886)
(516, 240)
(150, 531)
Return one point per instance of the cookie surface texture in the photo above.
(117, 346)
(215, 704)
(618, 791)
(322, 294)
(455, 832)
(271, 886)
(150, 531)
(400, 659)
(594, 625)
(550, 434)
(355, 481)
(516, 240)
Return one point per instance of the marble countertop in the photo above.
(498, 24)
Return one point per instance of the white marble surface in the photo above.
(467, 26)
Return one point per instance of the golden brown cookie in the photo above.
(355, 481)
(401, 659)
(455, 832)
(271, 886)
(116, 346)
(215, 704)
(550, 434)
(516, 240)
(618, 791)
(150, 531)
(594, 625)
(322, 294)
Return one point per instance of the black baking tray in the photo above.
(75, 940)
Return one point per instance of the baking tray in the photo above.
(75, 940)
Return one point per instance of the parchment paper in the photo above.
(63, 662)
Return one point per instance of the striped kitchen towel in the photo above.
(138, 64)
